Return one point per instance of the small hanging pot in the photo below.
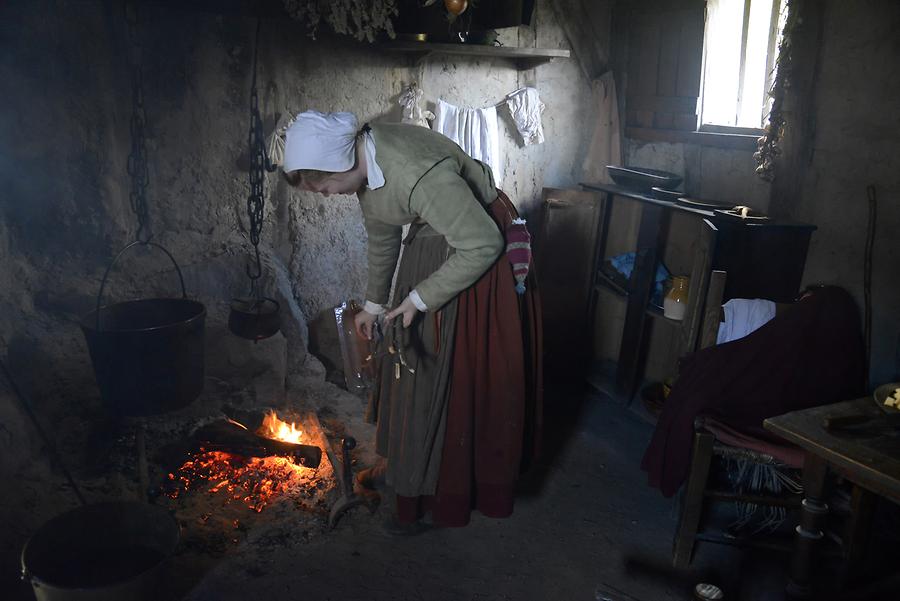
(254, 318)
(147, 354)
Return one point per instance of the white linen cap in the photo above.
(326, 142)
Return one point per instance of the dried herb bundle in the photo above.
(362, 19)
(769, 145)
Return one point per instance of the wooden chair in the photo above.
(697, 493)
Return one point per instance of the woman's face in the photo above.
(346, 182)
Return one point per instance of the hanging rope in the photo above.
(259, 165)
(138, 168)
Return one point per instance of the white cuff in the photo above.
(417, 301)
(372, 308)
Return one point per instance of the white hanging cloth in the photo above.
(475, 130)
(526, 107)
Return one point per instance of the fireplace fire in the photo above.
(277, 429)
(251, 461)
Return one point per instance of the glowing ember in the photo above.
(253, 481)
(276, 429)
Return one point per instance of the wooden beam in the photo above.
(665, 104)
(729, 141)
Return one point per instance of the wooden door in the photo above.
(564, 258)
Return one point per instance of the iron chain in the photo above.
(259, 165)
(137, 168)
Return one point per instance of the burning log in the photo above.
(230, 436)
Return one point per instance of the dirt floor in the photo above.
(587, 527)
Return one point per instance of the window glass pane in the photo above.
(722, 61)
(754, 91)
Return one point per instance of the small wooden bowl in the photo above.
(881, 395)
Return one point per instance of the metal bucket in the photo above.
(102, 552)
(147, 354)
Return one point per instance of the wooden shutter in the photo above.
(664, 62)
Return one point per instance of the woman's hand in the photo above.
(364, 322)
(407, 309)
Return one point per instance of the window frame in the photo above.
(640, 107)
(771, 53)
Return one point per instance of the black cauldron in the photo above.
(147, 354)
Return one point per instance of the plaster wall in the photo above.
(857, 136)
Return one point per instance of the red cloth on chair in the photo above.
(494, 416)
(789, 455)
(812, 354)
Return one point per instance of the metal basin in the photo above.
(102, 552)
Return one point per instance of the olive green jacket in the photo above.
(428, 177)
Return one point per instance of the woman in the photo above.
(459, 386)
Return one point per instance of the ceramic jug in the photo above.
(675, 303)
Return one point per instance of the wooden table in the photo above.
(870, 461)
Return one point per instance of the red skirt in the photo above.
(494, 413)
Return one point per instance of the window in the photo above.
(740, 46)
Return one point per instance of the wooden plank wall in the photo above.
(665, 57)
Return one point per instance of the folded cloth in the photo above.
(743, 316)
(624, 264)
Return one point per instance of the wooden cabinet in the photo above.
(760, 260)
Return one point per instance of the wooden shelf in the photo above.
(604, 282)
(657, 312)
(526, 58)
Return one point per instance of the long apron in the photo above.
(459, 400)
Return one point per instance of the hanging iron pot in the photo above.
(147, 354)
(254, 318)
